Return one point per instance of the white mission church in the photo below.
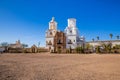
(70, 38)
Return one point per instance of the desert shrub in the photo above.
(98, 49)
(59, 50)
(116, 47)
(52, 51)
(116, 51)
(26, 51)
(15, 50)
(107, 47)
(79, 50)
(67, 50)
(70, 50)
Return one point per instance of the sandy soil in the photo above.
(59, 67)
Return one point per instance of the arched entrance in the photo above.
(33, 49)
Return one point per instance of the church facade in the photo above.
(50, 34)
(70, 38)
(73, 38)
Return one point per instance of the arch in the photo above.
(50, 33)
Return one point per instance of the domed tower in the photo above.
(71, 29)
(72, 34)
(53, 24)
(50, 34)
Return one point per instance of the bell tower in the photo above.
(53, 24)
(72, 34)
(50, 34)
(71, 22)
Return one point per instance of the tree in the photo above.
(107, 47)
(24, 45)
(70, 49)
(116, 46)
(4, 44)
(111, 35)
(118, 37)
(98, 49)
(88, 46)
(79, 49)
(97, 37)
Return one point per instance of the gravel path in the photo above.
(59, 67)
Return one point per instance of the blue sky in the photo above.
(27, 20)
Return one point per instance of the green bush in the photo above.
(59, 51)
(67, 51)
(79, 50)
(98, 49)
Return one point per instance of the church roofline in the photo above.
(103, 41)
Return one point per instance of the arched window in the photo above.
(59, 41)
(50, 43)
(70, 31)
(50, 33)
(74, 40)
(69, 42)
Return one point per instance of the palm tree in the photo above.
(111, 35)
(24, 45)
(97, 37)
(118, 37)
(107, 47)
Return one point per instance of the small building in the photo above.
(34, 49)
(16, 45)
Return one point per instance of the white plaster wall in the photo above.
(72, 38)
(98, 43)
(94, 44)
(115, 43)
(52, 41)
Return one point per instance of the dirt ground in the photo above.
(59, 66)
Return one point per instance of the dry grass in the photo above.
(59, 67)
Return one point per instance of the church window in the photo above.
(50, 33)
(74, 40)
(59, 41)
(69, 42)
(50, 43)
(70, 31)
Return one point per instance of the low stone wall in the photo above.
(26, 50)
